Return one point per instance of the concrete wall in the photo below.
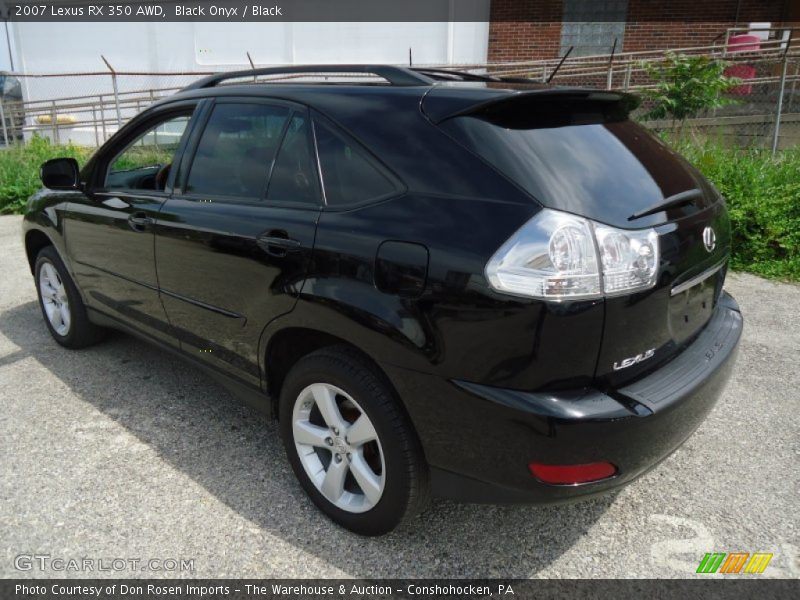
(159, 47)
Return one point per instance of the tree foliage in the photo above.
(685, 85)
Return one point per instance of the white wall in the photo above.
(160, 47)
(189, 47)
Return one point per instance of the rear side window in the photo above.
(236, 150)
(349, 175)
(294, 177)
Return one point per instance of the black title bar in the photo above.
(250, 11)
(341, 10)
(351, 589)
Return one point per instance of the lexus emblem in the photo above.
(709, 239)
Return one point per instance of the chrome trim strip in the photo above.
(679, 289)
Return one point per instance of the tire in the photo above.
(62, 308)
(391, 468)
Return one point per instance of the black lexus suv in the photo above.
(439, 283)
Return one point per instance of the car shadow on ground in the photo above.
(236, 454)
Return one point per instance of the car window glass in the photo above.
(145, 163)
(236, 150)
(294, 178)
(348, 175)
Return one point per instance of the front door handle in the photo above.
(277, 243)
(139, 221)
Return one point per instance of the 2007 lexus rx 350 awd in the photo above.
(438, 282)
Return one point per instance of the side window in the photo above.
(144, 164)
(236, 150)
(348, 174)
(294, 178)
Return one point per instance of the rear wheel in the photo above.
(63, 310)
(350, 444)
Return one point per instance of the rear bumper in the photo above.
(479, 440)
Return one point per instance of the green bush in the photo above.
(764, 203)
(19, 169)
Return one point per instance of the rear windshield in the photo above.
(590, 162)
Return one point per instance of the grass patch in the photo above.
(763, 196)
(19, 170)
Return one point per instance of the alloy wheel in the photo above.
(54, 299)
(338, 447)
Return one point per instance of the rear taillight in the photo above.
(629, 259)
(572, 474)
(560, 256)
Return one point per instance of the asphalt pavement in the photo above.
(122, 451)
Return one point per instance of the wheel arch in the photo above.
(288, 345)
(37, 237)
(35, 240)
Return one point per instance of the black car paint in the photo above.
(633, 427)
(196, 279)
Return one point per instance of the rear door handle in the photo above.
(139, 221)
(277, 243)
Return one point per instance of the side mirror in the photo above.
(60, 174)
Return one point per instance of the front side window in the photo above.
(236, 150)
(145, 163)
(348, 174)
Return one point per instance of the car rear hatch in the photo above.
(577, 151)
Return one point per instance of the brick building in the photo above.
(537, 29)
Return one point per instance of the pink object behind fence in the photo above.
(742, 43)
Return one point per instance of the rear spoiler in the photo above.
(445, 102)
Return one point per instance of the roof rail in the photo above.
(400, 76)
(453, 75)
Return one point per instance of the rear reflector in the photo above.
(572, 474)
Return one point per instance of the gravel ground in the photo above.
(123, 451)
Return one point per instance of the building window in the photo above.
(591, 27)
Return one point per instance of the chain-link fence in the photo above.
(82, 108)
(763, 111)
(87, 108)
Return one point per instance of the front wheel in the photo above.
(350, 444)
(61, 304)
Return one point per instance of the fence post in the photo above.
(628, 72)
(102, 116)
(610, 78)
(94, 122)
(794, 86)
(544, 73)
(3, 118)
(54, 122)
(116, 91)
(779, 111)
